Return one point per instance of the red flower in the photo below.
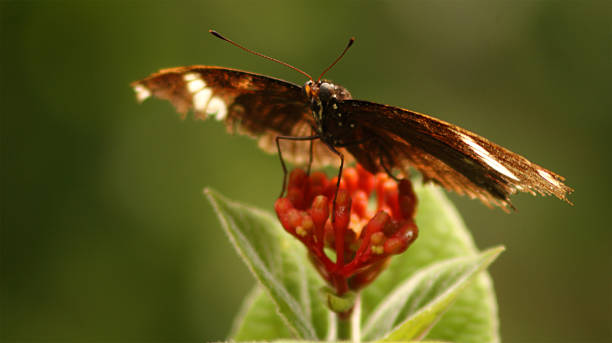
(362, 238)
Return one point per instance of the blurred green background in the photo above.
(105, 234)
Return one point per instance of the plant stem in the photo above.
(344, 327)
(349, 323)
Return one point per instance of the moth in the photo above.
(381, 138)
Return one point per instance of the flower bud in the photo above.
(351, 179)
(320, 210)
(297, 178)
(296, 196)
(366, 180)
(342, 213)
(407, 199)
(318, 184)
(395, 245)
(282, 207)
(360, 203)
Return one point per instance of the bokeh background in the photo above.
(105, 234)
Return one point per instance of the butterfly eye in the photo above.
(326, 90)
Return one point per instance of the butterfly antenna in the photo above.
(218, 35)
(351, 41)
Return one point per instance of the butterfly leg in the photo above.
(387, 169)
(282, 160)
(338, 181)
(310, 154)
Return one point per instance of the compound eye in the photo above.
(325, 91)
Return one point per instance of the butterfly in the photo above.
(381, 138)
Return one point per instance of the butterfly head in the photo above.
(323, 95)
(326, 91)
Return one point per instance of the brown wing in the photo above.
(248, 103)
(455, 158)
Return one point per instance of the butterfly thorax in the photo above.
(333, 127)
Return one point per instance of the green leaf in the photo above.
(279, 263)
(258, 320)
(414, 307)
(442, 236)
(472, 318)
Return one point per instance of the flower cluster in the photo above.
(349, 242)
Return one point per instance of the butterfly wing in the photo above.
(248, 103)
(448, 155)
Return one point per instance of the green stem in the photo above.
(349, 323)
(345, 327)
